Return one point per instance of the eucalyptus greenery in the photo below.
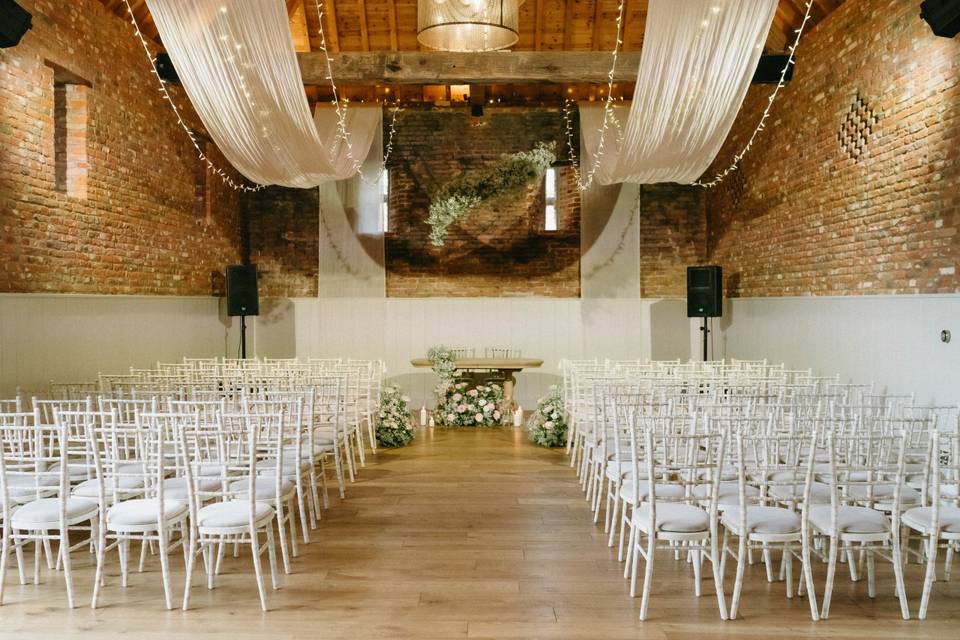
(458, 406)
(393, 426)
(546, 425)
(444, 363)
(508, 175)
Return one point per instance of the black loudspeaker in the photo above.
(704, 292)
(14, 22)
(165, 68)
(770, 67)
(943, 16)
(242, 297)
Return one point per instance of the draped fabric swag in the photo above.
(237, 64)
(696, 65)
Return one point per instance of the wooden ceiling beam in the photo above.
(568, 24)
(331, 31)
(392, 17)
(495, 67)
(364, 32)
(538, 29)
(597, 19)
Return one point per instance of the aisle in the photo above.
(466, 534)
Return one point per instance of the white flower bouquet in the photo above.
(458, 406)
(392, 420)
(546, 425)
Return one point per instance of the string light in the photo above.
(227, 180)
(717, 179)
(342, 132)
(584, 183)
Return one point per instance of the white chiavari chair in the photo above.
(230, 517)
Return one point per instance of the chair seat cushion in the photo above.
(850, 519)
(176, 488)
(234, 513)
(46, 511)
(121, 484)
(819, 492)
(265, 488)
(728, 494)
(770, 520)
(144, 512)
(920, 519)
(664, 490)
(884, 492)
(617, 470)
(673, 517)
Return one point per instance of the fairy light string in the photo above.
(224, 176)
(340, 106)
(781, 83)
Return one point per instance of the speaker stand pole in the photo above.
(705, 331)
(243, 337)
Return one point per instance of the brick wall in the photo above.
(501, 249)
(284, 236)
(854, 187)
(673, 226)
(137, 225)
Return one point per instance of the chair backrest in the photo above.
(32, 460)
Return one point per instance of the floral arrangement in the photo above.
(393, 426)
(444, 363)
(458, 406)
(508, 175)
(546, 425)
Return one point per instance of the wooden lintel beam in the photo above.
(495, 67)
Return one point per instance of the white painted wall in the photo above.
(72, 338)
(893, 341)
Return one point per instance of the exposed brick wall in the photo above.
(673, 225)
(141, 229)
(854, 187)
(284, 235)
(501, 248)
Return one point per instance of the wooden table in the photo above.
(506, 366)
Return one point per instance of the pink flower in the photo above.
(478, 417)
(496, 415)
(461, 408)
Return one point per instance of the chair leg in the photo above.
(788, 568)
(871, 582)
(21, 562)
(191, 558)
(613, 513)
(257, 569)
(808, 576)
(65, 558)
(101, 557)
(948, 562)
(123, 549)
(831, 574)
(647, 574)
(715, 564)
(738, 582)
(4, 558)
(281, 528)
(931, 573)
(292, 521)
(165, 567)
(272, 557)
(323, 483)
(852, 564)
(304, 526)
(768, 561)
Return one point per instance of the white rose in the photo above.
(496, 415)
(488, 408)
(472, 392)
(548, 425)
(482, 402)
(451, 417)
(457, 397)
(478, 417)
(461, 408)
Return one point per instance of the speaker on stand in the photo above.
(242, 299)
(705, 297)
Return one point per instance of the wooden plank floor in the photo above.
(465, 534)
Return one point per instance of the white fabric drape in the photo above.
(237, 64)
(697, 62)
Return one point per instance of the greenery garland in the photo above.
(393, 426)
(508, 175)
(458, 406)
(444, 363)
(546, 425)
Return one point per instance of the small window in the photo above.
(550, 200)
(385, 200)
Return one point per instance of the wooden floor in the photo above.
(466, 534)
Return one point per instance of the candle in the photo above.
(423, 416)
(431, 421)
(518, 416)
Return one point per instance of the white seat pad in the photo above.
(235, 513)
(819, 492)
(123, 485)
(772, 520)
(176, 488)
(729, 492)
(885, 491)
(265, 487)
(144, 511)
(663, 490)
(919, 518)
(850, 519)
(47, 511)
(673, 517)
